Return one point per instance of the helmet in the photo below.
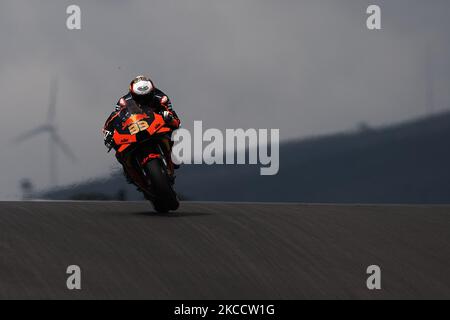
(141, 89)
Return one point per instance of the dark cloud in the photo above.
(306, 67)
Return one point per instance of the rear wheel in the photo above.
(165, 197)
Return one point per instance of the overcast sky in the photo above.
(307, 67)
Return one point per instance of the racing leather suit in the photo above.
(159, 103)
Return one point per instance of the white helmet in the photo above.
(141, 89)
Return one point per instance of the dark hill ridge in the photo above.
(407, 163)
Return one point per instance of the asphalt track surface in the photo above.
(223, 251)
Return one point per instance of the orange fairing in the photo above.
(123, 147)
(136, 122)
(156, 125)
(123, 140)
(133, 119)
(120, 139)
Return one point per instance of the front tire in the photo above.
(165, 197)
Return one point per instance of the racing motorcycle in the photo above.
(139, 137)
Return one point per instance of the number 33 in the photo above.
(138, 127)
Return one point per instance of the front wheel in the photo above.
(165, 197)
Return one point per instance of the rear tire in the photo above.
(165, 197)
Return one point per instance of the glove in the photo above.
(167, 116)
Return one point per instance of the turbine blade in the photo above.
(64, 147)
(52, 100)
(31, 133)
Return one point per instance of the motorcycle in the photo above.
(139, 137)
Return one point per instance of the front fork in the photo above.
(167, 156)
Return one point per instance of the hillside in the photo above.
(406, 163)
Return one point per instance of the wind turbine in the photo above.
(54, 139)
(429, 78)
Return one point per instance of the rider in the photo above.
(147, 97)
